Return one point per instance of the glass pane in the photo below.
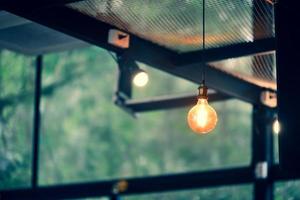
(259, 69)
(288, 190)
(16, 114)
(86, 137)
(225, 193)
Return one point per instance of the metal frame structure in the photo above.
(96, 32)
(36, 122)
(181, 65)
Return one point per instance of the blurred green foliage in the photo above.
(105, 142)
(85, 137)
(16, 111)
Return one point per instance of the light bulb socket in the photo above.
(202, 92)
(135, 71)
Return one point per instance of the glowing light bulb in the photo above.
(276, 126)
(140, 79)
(202, 118)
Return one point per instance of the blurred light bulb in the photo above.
(140, 79)
(276, 126)
(202, 118)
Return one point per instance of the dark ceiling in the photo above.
(24, 36)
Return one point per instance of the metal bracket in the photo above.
(268, 98)
(261, 170)
(118, 38)
(120, 100)
(120, 186)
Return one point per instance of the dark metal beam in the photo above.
(8, 20)
(215, 78)
(88, 29)
(36, 122)
(169, 102)
(279, 174)
(262, 152)
(115, 197)
(137, 185)
(126, 69)
(62, 19)
(287, 62)
(230, 51)
(214, 178)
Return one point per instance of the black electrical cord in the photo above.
(203, 43)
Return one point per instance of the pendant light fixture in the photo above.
(202, 118)
(140, 78)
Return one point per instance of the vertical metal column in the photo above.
(36, 122)
(262, 152)
(262, 136)
(124, 86)
(115, 197)
(287, 17)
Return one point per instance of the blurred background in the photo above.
(85, 137)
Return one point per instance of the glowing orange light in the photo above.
(202, 118)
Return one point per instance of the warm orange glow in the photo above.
(202, 118)
(276, 127)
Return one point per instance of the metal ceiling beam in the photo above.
(215, 79)
(62, 19)
(230, 51)
(167, 102)
(225, 83)
(96, 32)
(8, 20)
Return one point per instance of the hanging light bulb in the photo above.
(276, 126)
(202, 118)
(140, 78)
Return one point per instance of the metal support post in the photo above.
(262, 152)
(36, 122)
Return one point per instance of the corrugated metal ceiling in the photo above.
(177, 25)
